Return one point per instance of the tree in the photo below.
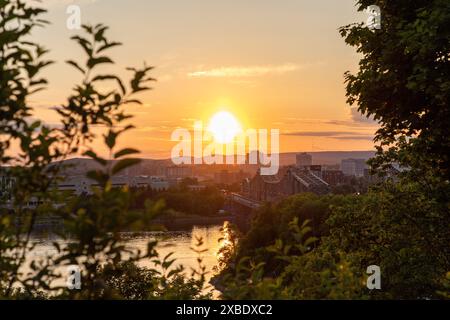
(403, 226)
(403, 82)
(94, 222)
(399, 228)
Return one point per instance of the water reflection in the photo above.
(180, 243)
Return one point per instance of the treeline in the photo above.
(312, 247)
(204, 202)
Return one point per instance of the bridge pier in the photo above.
(243, 210)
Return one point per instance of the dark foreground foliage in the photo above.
(306, 247)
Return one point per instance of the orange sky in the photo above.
(273, 64)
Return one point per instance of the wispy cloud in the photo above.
(338, 135)
(358, 117)
(354, 137)
(316, 133)
(245, 72)
(155, 129)
(355, 119)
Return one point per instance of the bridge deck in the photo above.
(247, 202)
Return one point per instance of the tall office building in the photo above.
(303, 159)
(354, 167)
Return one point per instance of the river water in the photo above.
(180, 243)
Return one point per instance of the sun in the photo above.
(224, 127)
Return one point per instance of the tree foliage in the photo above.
(95, 222)
(403, 225)
(403, 82)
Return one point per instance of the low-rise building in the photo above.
(303, 159)
(289, 181)
(229, 177)
(333, 177)
(82, 185)
(182, 171)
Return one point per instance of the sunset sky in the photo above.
(273, 64)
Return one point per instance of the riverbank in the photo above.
(185, 222)
(171, 222)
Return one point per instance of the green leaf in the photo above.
(123, 164)
(110, 139)
(125, 152)
(111, 77)
(108, 45)
(98, 176)
(95, 157)
(92, 62)
(99, 34)
(85, 44)
(73, 63)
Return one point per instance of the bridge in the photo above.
(242, 208)
(244, 201)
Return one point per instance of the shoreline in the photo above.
(171, 223)
(186, 222)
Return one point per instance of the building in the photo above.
(82, 185)
(289, 181)
(333, 177)
(227, 177)
(390, 173)
(303, 159)
(175, 172)
(196, 187)
(6, 185)
(265, 188)
(152, 182)
(298, 180)
(354, 167)
(78, 185)
(316, 169)
(245, 187)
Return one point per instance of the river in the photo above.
(180, 243)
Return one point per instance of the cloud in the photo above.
(245, 72)
(338, 135)
(354, 137)
(350, 123)
(155, 129)
(358, 117)
(317, 133)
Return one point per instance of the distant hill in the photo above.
(79, 166)
(327, 157)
